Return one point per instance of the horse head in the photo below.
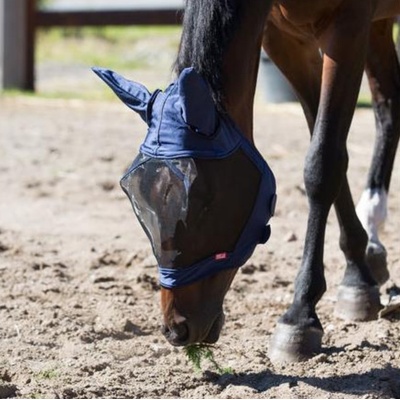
(203, 195)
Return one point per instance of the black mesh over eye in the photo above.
(159, 193)
(192, 208)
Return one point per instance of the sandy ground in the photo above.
(79, 299)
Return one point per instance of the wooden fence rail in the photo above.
(100, 18)
(19, 20)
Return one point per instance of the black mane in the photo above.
(208, 26)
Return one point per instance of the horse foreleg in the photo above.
(305, 74)
(383, 72)
(299, 332)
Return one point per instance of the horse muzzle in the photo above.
(187, 332)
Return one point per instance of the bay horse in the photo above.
(322, 47)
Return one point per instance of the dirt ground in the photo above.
(79, 299)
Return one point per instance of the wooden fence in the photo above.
(19, 20)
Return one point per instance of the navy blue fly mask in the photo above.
(185, 131)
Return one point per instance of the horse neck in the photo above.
(222, 39)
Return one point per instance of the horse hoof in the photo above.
(377, 260)
(293, 344)
(358, 304)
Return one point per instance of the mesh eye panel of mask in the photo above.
(159, 192)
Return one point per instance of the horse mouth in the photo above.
(213, 333)
(184, 335)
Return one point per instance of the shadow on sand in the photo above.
(383, 381)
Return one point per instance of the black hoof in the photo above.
(376, 256)
(358, 304)
(293, 344)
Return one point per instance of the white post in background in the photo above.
(16, 44)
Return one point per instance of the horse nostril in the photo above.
(177, 334)
(182, 331)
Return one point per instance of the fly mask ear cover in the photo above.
(184, 125)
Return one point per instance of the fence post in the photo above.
(17, 36)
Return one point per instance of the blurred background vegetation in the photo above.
(43, 3)
(64, 57)
(119, 47)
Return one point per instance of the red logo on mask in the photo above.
(221, 256)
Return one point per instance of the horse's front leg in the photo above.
(299, 332)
